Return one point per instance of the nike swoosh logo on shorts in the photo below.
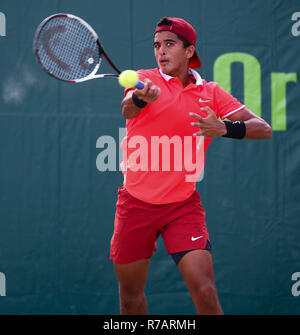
(196, 238)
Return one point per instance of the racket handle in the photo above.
(139, 85)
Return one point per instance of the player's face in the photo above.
(171, 56)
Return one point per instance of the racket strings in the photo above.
(67, 49)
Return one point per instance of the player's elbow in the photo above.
(264, 130)
(258, 129)
(268, 131)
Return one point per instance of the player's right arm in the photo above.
(149, 93)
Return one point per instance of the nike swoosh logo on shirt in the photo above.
(196, 238)
(202, 100)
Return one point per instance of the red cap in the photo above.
(185, 30)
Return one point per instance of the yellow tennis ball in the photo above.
(128, 78)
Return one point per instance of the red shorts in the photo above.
(138, 225)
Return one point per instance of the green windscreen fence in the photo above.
(57, 205)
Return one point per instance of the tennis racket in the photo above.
(69, 49)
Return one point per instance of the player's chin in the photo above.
(165, 68)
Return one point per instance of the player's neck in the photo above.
(183, 76)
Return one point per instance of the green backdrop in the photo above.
(56, 207)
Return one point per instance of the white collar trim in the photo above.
(191, 71)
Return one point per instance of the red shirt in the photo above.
(162, 160)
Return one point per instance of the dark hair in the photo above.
(165, 21)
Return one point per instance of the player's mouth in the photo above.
(163, 62)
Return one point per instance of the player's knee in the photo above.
(130, 292)
(131, 298)
(206, 291)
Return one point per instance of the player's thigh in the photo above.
(132, 277)
(196, 268)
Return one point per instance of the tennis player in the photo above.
(176, 103)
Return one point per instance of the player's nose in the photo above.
(161, 51)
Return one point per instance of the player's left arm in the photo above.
(210, 126)
(256, 127)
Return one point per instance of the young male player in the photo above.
(158, 201)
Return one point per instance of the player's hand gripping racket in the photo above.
(69, 49)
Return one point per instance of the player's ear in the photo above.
(190, 50)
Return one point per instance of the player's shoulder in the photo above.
(214, 89)
(209, 84)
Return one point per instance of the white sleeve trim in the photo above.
(232, 112)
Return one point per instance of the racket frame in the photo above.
(92, 75)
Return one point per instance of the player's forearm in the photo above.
(129, 109)
(257, 129)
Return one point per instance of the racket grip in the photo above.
(139, 85)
